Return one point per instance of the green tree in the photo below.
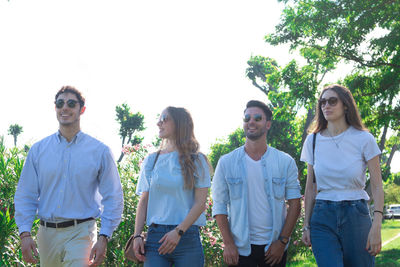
(291, 90)
(222, 147)
(15, 130)
(130, 123)
(363, 32)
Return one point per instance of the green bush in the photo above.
(11, 162)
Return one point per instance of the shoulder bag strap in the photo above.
(313, 151)
(155, 160)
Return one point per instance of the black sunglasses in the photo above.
(163, 118)
(70, 103)
(257, 117)
(332, 101)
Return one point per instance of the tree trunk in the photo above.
(310, 116)
(383, 138)
(395, 147)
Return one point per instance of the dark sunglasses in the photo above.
(163, 118)
(332, 101)
(70, 103)
(257, 117)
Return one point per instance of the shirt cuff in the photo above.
(24, 228)
(219, 208)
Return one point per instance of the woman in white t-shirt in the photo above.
(337, 222)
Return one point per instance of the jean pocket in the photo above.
(361, 208)
(235, 187)
(278, 185)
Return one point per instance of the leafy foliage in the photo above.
(364, 32)
(129, 168)
(129, 124)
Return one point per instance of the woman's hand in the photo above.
(374, 242)
(169, 242)
(138, 248)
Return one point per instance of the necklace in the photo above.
(333, 139)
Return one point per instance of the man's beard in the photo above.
(254, 136)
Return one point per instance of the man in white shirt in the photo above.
(249, 190)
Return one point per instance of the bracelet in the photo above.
(22, 235)
(136, 236)
(378, 211)
(105, 236)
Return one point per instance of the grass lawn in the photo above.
(389, 256)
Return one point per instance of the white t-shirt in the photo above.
(340, 163)
(260, 220)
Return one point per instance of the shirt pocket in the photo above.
(278, 185)
(235, 187)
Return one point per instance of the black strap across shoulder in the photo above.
(313, 151)
(155, 160)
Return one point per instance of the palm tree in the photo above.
(15, 130)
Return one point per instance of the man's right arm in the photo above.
(26, 197)
(231, 254)
(26, 204)
(220, 196)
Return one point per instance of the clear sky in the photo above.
(148, 54)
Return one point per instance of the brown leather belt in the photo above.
(64, 224)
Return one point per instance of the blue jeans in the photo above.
(188, 252)
(339, 233)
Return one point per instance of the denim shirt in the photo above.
(230, 196)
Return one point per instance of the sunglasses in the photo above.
(257, 117)
(70, 103)
(163, 118)
(332, 101)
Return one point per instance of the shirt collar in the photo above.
(75, 140)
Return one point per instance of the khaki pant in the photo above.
(68, 246)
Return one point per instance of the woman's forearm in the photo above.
(309, 195)
(197, 209)
(141, 212)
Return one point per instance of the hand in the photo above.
(98, 252)
(28, 245)
(274, 253)
(231, 255)
(374, 242)
(138, 249)
(169, 242)
(306, 238)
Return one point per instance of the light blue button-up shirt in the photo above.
(62, 181)
(230, 195)
(169, 203)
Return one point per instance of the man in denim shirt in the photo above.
(249, 190)
(69, 179)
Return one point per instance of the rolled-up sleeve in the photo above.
(292, 186)
(111, 191)
(26, 197)
(203, 179)
(220, 191)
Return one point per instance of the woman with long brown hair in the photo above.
(173, 185)
(337, 222)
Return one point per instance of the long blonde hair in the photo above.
(187, 145)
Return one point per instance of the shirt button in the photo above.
(58, 206)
